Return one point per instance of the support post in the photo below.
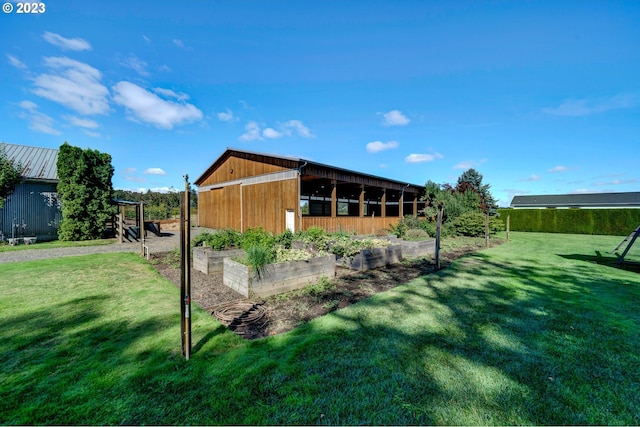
(438, 226)
(185, 270)
(486, 230)
(141, 229)
(508, 226)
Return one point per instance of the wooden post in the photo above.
(185, 270)
(486, 230)
(120, 228)
(438, 226)
(508, 226)
(142, 229)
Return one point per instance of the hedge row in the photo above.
(615, 222)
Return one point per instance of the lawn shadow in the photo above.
(608, 261)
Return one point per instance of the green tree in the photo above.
(86, 192)
(455, 203)
(9, 176)
(471, 180)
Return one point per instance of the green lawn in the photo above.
(541, 330)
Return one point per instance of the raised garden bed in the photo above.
(276, 278)
(368, 259)
(418, 248)
(208, 260)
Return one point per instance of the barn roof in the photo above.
(38, 164)
(304, 165)
(594, 200)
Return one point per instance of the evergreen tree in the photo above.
(471, 180)
(9, 176)
(86, 192)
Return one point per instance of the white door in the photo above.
(291, 220)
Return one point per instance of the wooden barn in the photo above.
(244, 189)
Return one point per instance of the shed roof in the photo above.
(38, 163)
(304, 165)
(593, 200)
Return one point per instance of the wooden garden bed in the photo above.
(276, 278)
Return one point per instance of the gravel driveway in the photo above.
(169, 241)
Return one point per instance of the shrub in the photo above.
(474, 224)
(416, 234)
(257, 237)
(284, 239)
(218, 240)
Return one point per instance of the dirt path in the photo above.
(169, 241)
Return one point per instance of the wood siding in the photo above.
(265, 205)
(248, 206)
(366, 225)
(220, 208)
(242, 168)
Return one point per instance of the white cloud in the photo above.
(91, 134)
(145, 38)
(83, 123)
(136, 64)
(16, 62)
(65, 43)
(533, 177)
(38, 121)
(586, 107)
(419, 158)
(271, 133)
(297, 126)
(558, 169)
(129, 170)
(252, 132)
(377, 146)
(616, 182)
(168, 93)
(29, 106)
(394, 118)
(144, 106)
(178, 43)
(245, 105)
(154, 171)
(74, 84)
(226, 116)
(468, 164)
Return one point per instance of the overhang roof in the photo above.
(594, 200)
(308, 167)
(38, 164)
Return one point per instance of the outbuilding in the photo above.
(33, 209)
(245, 189)
(581, 200)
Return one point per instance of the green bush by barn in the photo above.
(614, 222)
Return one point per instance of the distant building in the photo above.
(587, 201)
(33, 209)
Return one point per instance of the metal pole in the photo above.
(185, 270)
(508, 226)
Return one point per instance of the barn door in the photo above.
(290, 219)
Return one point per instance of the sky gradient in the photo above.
(539, 97)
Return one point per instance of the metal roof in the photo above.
(294, 162)
(592, 200)
(38, 164)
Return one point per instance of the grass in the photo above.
(542, 330)
(4, 247)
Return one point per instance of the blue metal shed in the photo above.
(33, 209)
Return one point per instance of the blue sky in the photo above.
(539, 97)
